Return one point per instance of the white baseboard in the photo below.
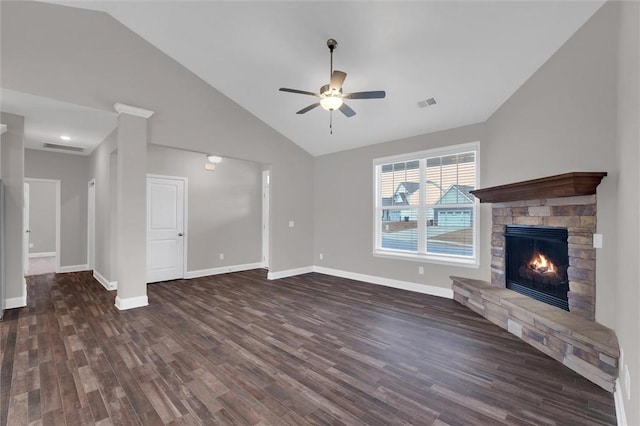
(388, 282)
(618, 398)
(222, 270)
(131, 302)
(42, 254)
(289, 273)
(74, 268)
(109, 285)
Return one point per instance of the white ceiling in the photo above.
(47, 119)
(470, 56)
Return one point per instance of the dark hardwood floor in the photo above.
(241, 350)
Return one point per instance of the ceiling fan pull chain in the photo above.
(330, 122)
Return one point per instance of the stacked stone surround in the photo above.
(573, 337)
(588, 348)
(578, 215)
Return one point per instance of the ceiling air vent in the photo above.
(427, 102)
(62, 147)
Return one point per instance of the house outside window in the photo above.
(423, 206)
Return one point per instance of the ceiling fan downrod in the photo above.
(332, 45)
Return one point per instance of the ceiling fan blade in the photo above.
(346, 110)
(300, 92)
(377, 94)
(337, 79)
(309, 108)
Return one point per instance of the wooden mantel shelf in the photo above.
(564, 185)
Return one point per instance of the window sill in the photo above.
(424, 258)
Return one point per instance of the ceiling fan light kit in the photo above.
(331, 96)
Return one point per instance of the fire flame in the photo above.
(541, 264)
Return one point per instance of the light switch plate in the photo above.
(597, 240)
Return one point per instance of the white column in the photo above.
(131, 228)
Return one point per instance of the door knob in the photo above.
(180, 234)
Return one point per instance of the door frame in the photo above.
(91, 224)
(58, 214)
(185, 207)
(266, 210)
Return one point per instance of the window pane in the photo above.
(400, 184)
(399, 229)
(450, 178)
(450, 231)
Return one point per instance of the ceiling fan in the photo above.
(331, 96)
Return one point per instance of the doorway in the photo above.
(266, 182)
(42, 226)
(91, 224)
(166, 230)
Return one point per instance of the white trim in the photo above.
(131, 110)
(618, 399)
(289, 273)
(388, 282)
(91, 239)
(42, 254)
(74, 268)
(449, 261)
(109, 285)
(3, 128)
(131, 302)
(222, 270)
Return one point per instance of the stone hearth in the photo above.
(573, 338)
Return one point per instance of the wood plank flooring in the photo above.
(237, 349)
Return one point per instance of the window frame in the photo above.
(422, 207)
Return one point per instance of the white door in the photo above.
(265, 218)
(25, 234)
(165, 229)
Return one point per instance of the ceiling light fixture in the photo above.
(331, 100)
(65, 138)
(214, 159)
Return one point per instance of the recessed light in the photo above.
(65, 138)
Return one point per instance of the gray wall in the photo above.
(12, 173)
(73, 173)
(99, 71)
(344, 218)
(42, 216)
(563, 119)
(224, 206)
(628, 203)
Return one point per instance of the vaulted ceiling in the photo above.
(469, 56)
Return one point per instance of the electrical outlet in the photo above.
(221, 256)
(421, 270)
(321, 256)
(627, 382)
(291, 224)
(30, 245)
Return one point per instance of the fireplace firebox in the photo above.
(536, 263)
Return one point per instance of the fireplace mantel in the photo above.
(564, 185)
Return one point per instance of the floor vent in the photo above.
(63, 147)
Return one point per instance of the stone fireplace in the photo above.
(576, 214)
(543, 264)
